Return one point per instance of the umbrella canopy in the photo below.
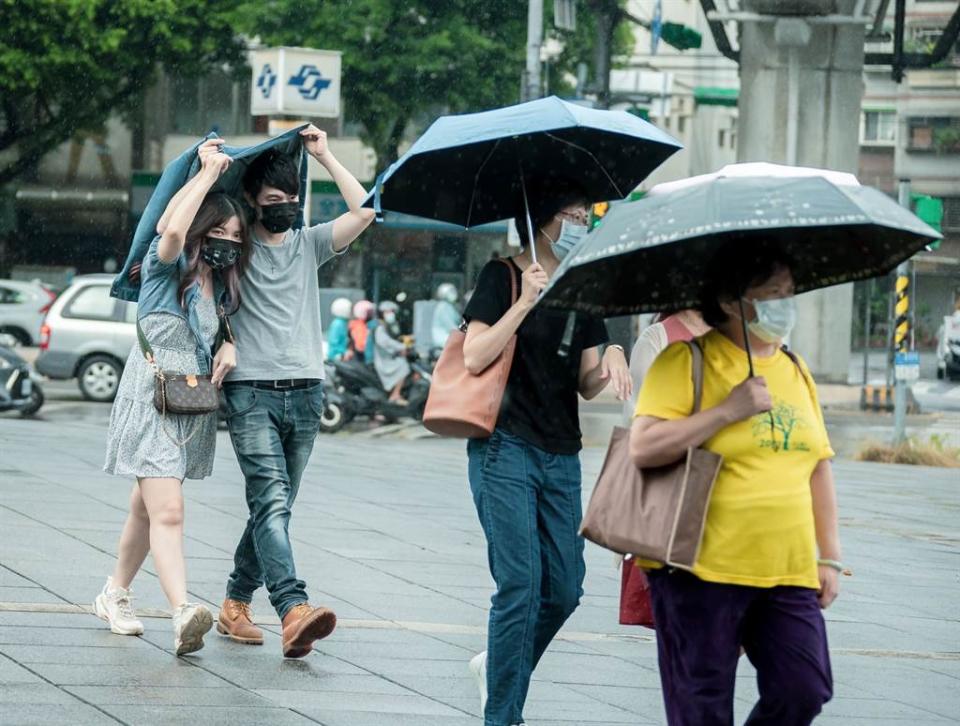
(653, 254)
(126, 286)
(467, 169)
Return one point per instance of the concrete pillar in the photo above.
(829, 89)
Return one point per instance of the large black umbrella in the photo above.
(652, 254)
(470, 169)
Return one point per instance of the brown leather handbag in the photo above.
(659, 513)
(179, 394)
(462, 405)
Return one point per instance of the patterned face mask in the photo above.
(219, 253)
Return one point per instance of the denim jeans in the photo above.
(528, 501)
(272, 434)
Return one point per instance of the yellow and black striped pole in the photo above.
(901, 335)
(901, 330)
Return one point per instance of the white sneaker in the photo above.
(191, 622)
(478, 666)
(115, 605)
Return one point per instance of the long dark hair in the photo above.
(215, 211)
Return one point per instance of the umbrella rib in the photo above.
(596, 161)
(476, 179)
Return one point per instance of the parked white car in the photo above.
(22, 307)
(88, 335)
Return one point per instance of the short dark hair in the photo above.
(272, 169)
(734, 267)
(546, 196)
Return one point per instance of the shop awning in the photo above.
(715, 96)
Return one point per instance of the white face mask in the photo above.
(569, 237)
(775, 318)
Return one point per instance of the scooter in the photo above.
(19, 386)
(363, 394)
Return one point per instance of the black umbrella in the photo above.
(470, 169)
(652, 254)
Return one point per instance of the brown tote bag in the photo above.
(657, 514)
(460, 404)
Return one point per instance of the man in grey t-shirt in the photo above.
(274, 396)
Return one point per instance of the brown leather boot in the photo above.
(304, 624)
(236, 621)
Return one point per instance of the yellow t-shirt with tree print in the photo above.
(759, 528)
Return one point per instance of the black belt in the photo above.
(288, 384)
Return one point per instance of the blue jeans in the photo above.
(272, 434)
(528, 502)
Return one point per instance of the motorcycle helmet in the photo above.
(364, 310)
(447, 291)
(341, 308)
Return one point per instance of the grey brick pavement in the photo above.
(385, 533)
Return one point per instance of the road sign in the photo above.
(907, 366)
(296, 81)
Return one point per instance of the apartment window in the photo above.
(878, 128)
(681, 124)
(722, 138)
(938, 134)
(951, 214)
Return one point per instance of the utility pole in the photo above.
(906, 361)
(606, 15)
(531, 87)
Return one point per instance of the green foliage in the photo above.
(401, 59)
(66, 65)
(947, 139)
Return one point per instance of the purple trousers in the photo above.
(701, 627)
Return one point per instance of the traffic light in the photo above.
(597, 212)
(680, 36)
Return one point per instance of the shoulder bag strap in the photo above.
(144, 344)
(697, 372)
(811, 387)
(514, 295)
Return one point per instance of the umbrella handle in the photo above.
(746, 336)
(531, 240)
(377, 207)
(746, 343)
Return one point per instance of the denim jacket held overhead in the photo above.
(126, 285)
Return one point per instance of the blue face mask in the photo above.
(569, 237)
(775, 318)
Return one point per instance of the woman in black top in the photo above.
(525, 478)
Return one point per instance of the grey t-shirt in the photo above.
(278, 324)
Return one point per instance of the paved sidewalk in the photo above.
(385, 533)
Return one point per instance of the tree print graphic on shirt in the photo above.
(780, 435)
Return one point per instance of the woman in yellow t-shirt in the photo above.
(770, 555)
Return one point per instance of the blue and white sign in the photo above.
(906, 366)
(296, 81)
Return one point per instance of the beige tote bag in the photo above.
(659, 513)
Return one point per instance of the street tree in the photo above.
(67, 65)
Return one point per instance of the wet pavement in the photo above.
(385, 533)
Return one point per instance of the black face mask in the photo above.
(219, 253)
(279, 217)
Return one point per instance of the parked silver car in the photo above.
(22, 307)
(87, 335)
